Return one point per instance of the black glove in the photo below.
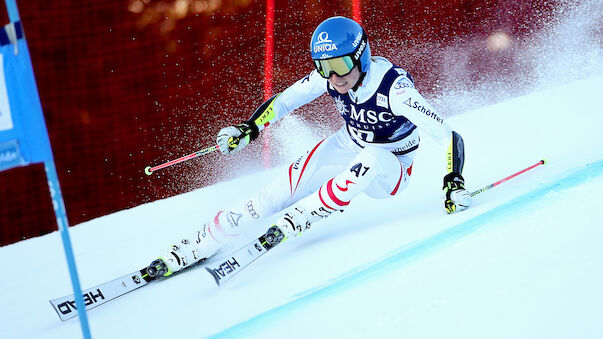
(456, 198)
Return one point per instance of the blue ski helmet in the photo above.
(338, 44)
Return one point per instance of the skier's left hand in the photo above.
(456, 198)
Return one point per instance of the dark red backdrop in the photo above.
(126, 84)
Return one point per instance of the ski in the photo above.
(223, 271)
(103, 293)
(229, 266)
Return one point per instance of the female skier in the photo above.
(372, 153)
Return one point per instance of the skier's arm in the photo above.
(300, 93)
(405, 100)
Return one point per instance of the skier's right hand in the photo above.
(232, 139)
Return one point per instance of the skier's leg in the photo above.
(204, 243)
(302, 177)
(375, 171)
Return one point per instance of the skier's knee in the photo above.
(374, 162)
(388, 175)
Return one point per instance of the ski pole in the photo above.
(232, 142)
(541, 162)
(149, 170)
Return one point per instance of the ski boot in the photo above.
(301, 217)
(187, 253)
(207, 241)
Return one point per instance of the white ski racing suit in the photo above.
(372, 153)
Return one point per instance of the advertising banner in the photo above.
(23, 135)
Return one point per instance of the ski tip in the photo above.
(544, 161)
(213, 274)
(147, 170)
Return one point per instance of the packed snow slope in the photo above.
(525, 261)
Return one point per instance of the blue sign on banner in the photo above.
(21, 116)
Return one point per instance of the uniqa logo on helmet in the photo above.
(323, 43)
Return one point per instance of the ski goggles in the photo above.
(341, 66)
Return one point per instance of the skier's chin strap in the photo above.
(359, 82)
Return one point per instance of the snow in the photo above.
(524, 261)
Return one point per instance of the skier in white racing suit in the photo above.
(372, 153)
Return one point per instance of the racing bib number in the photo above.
(363, 135)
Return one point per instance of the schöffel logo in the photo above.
(323, 43)
(423, 110)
